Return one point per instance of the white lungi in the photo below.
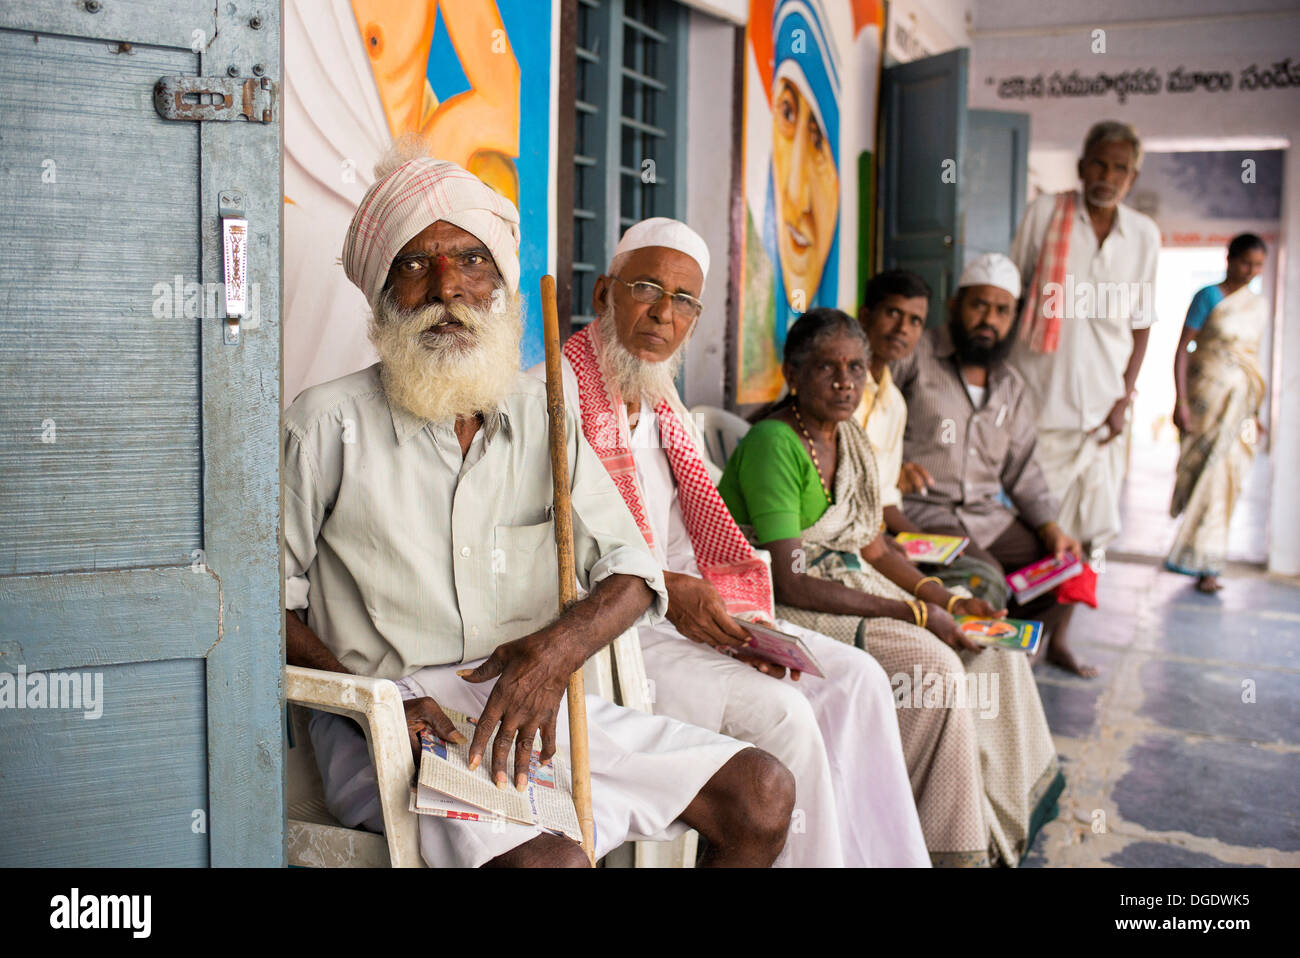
(645, 770)
(838, 736)
(1086, 478)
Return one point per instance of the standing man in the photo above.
(838, 735)
(419, 540)
(1088, 264)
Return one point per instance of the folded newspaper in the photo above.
(449, 789)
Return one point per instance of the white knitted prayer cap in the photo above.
(669, 233)
(992, 269)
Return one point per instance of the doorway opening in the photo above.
(1197, 222)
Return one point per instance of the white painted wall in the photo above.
(711, 56)
(1028, 37)
(923, 28)
(736, 11)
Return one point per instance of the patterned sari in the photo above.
(1225, 388)
(985, 779)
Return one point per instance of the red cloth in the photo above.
(724, 555)
(1081, 588)
(1039, 326)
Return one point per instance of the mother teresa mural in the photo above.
(473, 76)
(811, 76)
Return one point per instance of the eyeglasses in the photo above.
(644, 291)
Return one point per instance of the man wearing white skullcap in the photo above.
(838, 735)
(970, 436)
(419, 541)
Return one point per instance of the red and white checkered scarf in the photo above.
(1041, 331)
(724, 555)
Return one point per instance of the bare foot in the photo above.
(1208, 584)
(1059, 654)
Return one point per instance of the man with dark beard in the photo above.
(419, 539)
(970, 436)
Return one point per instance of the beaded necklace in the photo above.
(812, 449)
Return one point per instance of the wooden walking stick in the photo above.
(581, 761)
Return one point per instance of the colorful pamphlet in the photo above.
(780, 648)
(931, 549)
(1033, 580)
(1018, 634)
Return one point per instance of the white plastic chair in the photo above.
(317, 840)
(721, 432)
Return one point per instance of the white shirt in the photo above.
(1075, 387)
(883, 414)
(407, 554)
(672, 543)
(976, 394)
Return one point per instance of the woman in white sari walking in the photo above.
(1220, 388)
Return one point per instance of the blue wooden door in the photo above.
(923, 106)
(995, 171)
(140, 593)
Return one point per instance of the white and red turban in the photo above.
(411, 198)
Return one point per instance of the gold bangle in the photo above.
(952, 600)
(916, 589)
(916, 609)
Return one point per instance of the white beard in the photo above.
(456, 375)
(631, 375)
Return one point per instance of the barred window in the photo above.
(629, 133)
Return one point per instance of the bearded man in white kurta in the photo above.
(837, 735)
(406, 482)
(1088, 267)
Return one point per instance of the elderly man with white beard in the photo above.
(419, 539)
(838, 735)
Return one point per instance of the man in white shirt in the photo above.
(894, 305)
(1088, 265)
(837, 735)
(420, 543)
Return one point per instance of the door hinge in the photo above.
(215, 98)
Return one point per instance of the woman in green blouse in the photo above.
(803, 484)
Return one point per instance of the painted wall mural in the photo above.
(811, 81)
(476, 77)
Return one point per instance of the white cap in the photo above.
(669, 233)
(992, 269)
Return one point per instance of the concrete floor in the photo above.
(1186, 750)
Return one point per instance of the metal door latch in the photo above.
(215, 98)
(234, 258)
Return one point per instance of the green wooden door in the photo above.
(923, 105)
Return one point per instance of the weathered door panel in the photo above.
(139, 452)
(996, 171)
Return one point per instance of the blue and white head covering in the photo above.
(804, 54)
